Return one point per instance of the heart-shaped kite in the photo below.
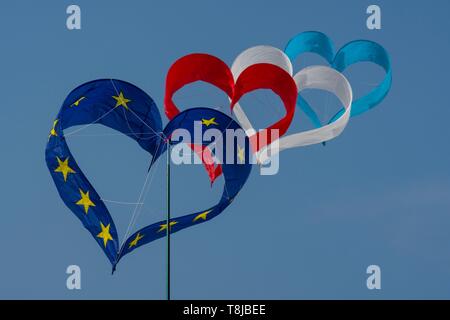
(210, 69)
(126, 108)
(351, 53)
(314, 77)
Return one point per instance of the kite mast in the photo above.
(168, 219)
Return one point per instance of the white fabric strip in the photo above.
(322, 78)
(258, 54)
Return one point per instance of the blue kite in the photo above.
(124, 107)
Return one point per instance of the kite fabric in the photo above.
(196, 67)
(120, 106)
(235, 174)
(351, 53)
(316, 77)
(204, 67)
(254, 55)
(323, 78)
(267, 76)
(191, 68)
(123, 107)
(210, 69)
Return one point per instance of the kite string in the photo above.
(138, 210)
(89, 124)
(134, 113)
(138, 207)
(105, 114)
(134, 211)
(160, 134)
(150, 174)
(121, 202)
(145, 194)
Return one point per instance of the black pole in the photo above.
(168, 219)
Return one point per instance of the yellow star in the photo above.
(105, 235)
(201, 216)
(121, 101)
(164, 226)
(53, 131)
(135, 241)
(76, 103)
(64, 168)
(85, 201)
(241, 154)
(208, 122)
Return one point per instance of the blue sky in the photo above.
(378, 194)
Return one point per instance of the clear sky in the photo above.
(378, 194)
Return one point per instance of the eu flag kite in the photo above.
(129, 110)
(120, 106)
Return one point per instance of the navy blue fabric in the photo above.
(129, 110)
(235, 175)
(93, 102)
